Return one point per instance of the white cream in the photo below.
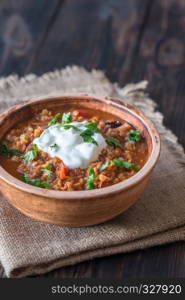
(71, 148)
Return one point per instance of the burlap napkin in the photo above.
(29, 247)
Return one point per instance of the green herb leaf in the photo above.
(31, 155)
(54, 146)
(35, 148)
(88, 139)
(35, 182)
(67, 126)
(48, 171)
(54, 120)
(113, 142)
(4, 150)
(134, 136)
(90, 180)
(67, 117)
(93, 127)
(49, 167)
(87, 134)
(104, 166)
(124, 164)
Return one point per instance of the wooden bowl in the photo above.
(78, 208)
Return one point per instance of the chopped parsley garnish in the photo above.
(68, 126)
(134, 136)
(66, 117)
(87, 134)
(35, 182)
(93, 127)
(104, 166)
(113, 142)
(31, 155)
(54, 120)
(4, 150)
(124, 164)
(90, 179)
(48, 171)
(54, 146)
(88, 138)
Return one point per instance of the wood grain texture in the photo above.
(157, 262)
(131, 40)
(23, 26)
(161, 60)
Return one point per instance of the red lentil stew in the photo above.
(122, 154)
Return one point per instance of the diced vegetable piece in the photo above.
(84, 114)
(63, 171)
(103, 178)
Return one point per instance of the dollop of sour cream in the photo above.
(69, 146)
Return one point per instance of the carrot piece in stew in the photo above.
(84, 114)
(63, 171)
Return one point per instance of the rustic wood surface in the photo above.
(131, 40)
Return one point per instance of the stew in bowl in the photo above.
(75, 160)
(73, 150)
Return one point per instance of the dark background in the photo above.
(130, 40)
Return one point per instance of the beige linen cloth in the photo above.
(29, 247)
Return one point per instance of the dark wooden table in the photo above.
(130, 40)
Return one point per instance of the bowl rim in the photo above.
(101, 192)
